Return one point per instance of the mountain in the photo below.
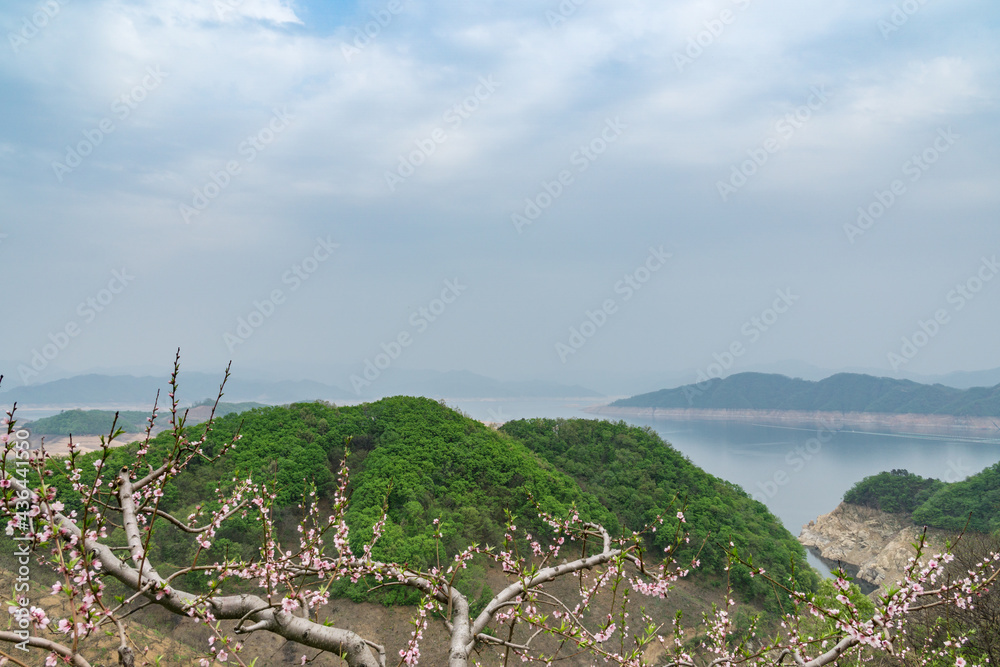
(957, 379)
(844, 392)
(98, 422)
(95, 390)
(425, 461)
(120, 390)
(638, 476)
(956, 506)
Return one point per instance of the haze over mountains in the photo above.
(287, 382)
(843, 392)
(127, 390)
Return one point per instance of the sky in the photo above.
(590, 191)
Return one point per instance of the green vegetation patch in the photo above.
(973, 503)
(975, 500)
(897, 491)
(88, 422)
(425, 461)
(638, 476)
(843, 392)
(98, 422)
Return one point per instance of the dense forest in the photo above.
(638, 476)
(88, 422)
(425, 461)
(98, 422)
(844, 392)
(973, 502)
(896, 491)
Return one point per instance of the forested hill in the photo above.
(88, 422)
(637, 475)
(844, 392)
(98, 422)
(436, 463)
(952, 506)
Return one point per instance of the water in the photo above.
(799, 473)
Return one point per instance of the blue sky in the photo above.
(534, 152)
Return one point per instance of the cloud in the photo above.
(230, 66)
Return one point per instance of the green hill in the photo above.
(98, 422)
(637, 475)
(844, 392)
(88, 422)
(438, 464)
(897, 491)
(950, 506)
(223, 408)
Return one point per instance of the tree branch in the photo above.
(69, 654)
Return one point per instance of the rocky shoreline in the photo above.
(876, 545)
(912, 423)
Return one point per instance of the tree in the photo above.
(78, 522)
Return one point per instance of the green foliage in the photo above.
(973, 503)
(223, 409)
(88, 422)
(843, 392)
(98, 422)
(897, 491)
(638, 476)
(826, 597)
(419, 458)
(975, 500)
(423, 461)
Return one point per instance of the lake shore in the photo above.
(57, 445)
(892, 423)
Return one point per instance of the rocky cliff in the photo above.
(876, 544)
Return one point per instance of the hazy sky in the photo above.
(288, 183)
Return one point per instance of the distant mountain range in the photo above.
(797, 369)
(844, 392)
(95, 390)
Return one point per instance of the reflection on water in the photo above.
(799, 473)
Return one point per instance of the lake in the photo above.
(799, 473)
